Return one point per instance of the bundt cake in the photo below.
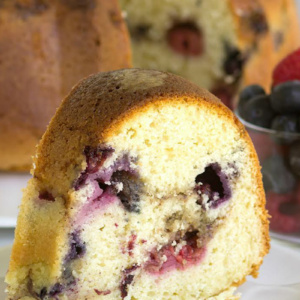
(218, 44)
(144, 186)
(47, 46)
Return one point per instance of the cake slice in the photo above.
(145, 186)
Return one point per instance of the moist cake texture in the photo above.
(145, 186)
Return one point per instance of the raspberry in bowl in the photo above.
(273, 123)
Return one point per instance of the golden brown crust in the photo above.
(260, 205)
(92, 108)
(46, 48)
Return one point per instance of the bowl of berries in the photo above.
(273, 123)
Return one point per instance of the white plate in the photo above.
(279, 277)
(11, 185)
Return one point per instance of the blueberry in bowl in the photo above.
(273, 123)
(285, 97)
(258, 111)
(247, 94)
(277, 177)
(278, 150)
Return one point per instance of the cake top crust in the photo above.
(96, 107)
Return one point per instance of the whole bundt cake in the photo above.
(145, 186)
(46, 47)
(218, 44)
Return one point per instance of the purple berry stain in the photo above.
(45, 195)
(77, 247)
(214, 184)
(131, 244)
(129, 195)
(127, 279)
(56, 289)
(119, 181)
(77, 250)
(95, 158)
(169, 257)
(43, 293)
(98, 292)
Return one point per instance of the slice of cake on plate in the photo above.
(145, 186)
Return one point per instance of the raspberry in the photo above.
(284, 211)
(288, 69)
(186, 39)
(168, 257)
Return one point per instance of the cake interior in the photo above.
(164, 208)
(185, 37)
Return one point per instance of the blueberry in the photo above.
(191, 238)
(234, 62)
(294, 158)
(285, 97)
(247, 94)
(257, 22)
(140, 31)
(77, 247)
(67, 275)
(286, 123)
(127, 279)
(131, 189)
(95, 157)
(258, 111)
(214, 184)
(56, 289)
(43, 293)
(276, 175)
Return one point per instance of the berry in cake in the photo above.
(145, 187)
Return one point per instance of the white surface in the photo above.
(279, 277)
(11, 185)
(289, 237)
(6, 237)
